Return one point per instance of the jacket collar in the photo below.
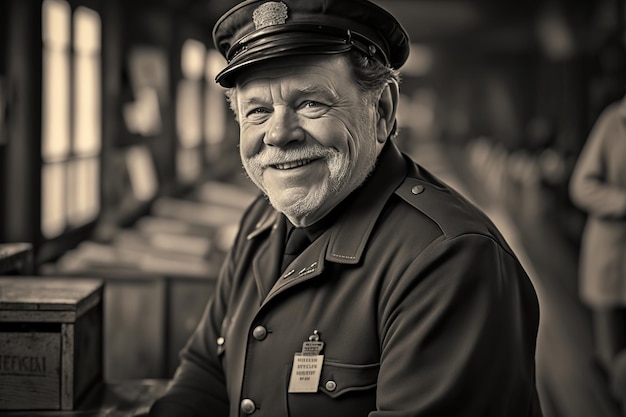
(269, 219)
(350, 233)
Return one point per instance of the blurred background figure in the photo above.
(598, 186)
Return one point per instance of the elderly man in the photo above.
(358, 284)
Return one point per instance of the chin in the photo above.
(296, 208)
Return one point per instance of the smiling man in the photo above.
(359, 284)
(307, 132)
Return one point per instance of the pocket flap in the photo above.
(339, 378)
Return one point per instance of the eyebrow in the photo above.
(253, 101)
(311, 89)
(306, 90)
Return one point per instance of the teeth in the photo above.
(294, 164)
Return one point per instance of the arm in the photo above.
(588, 186)
(458, 335)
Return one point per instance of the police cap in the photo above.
(258, 30)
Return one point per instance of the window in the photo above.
(189, 111)
(216, 111)
(71, 117)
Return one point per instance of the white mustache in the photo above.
(274, 156)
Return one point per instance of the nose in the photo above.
(283, 128)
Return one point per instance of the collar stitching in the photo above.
(343, 256)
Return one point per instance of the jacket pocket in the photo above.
(343, 390)
(339, 378)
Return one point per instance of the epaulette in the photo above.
(454, 214)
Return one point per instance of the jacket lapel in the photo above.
(308, 265)
(266, 262)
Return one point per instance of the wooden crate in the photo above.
(51, 337)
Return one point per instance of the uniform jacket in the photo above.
(422, 308)
(598, 186)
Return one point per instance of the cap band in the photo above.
(315, 35)
(309, 39)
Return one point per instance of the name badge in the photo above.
(307, 366)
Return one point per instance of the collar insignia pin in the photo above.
(270, 14)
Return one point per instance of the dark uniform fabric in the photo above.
(422, 307)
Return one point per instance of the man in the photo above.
(403, 300)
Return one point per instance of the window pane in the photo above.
(83, 179)
(55, 24)
(87, 89)
(53, 192)
(86, 31)
(56, 104)
(87, 120)
(215, 108)
(192, 59)
(188, 113)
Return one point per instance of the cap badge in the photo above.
(270, 14)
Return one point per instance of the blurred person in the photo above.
(598, 187)
(358, 284)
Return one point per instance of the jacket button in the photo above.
(331, 385)
(259, 332)
(417, 189)
(248, 406)
(220, 345)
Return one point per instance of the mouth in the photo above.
(293, 164)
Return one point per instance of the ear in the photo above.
(387, 106)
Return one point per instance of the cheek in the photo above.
(335, 134)
(250, 140)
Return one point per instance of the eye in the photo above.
(258, 110)
(310, 104)
(257, 114)
(313, 109)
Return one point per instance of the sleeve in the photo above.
(458, 335)
(198, 387)
(588, 187)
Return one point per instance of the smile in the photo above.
(293, 164)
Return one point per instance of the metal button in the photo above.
(220, 345)
(248, 406)
(331, 385)
(259, 332)
(417, 189)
